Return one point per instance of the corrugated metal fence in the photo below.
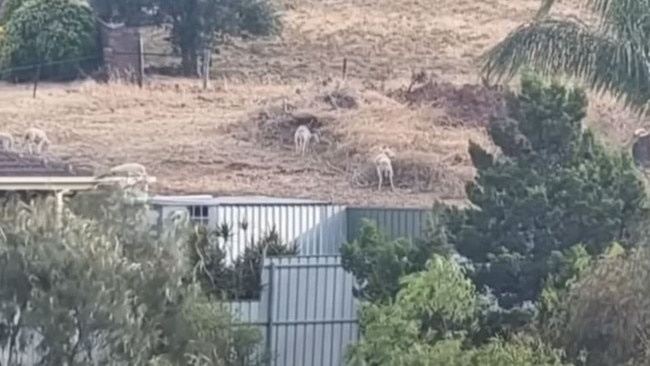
(396, 222)
(306, 311)
(317, 229)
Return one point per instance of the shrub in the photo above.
(8, 8)
(60, 33)
(240, 280)
(103, 288)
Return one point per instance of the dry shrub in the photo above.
(468, 105)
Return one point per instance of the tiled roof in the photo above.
(14, 165)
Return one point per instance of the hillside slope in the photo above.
(235, 138)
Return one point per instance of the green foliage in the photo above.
(607, 54)
(242, 279)
(426, 325)
(50, 31)
(8, 8)
(378, 263)
(604, 318)
(103, 288)
(553, 187)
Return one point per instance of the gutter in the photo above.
(73, 183)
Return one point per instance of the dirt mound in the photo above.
(275, 128)
(341, 99)
(468, 105)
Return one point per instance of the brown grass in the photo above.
(213, 141)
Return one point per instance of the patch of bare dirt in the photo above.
(468, 105)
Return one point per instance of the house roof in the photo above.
(254, 200)
(13, 164)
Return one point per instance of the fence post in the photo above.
(269, 314)
(37, 76)
(206, 67)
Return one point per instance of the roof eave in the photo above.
(73, 183)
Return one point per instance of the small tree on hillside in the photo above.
(60, 35)
(553, 186)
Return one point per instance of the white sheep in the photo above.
(35, 136)
(302, 137)
(129, 170)
(384, 166)
(7, 141)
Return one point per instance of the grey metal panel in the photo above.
(325, 230)
(396, 222)
(316, 229)
(309, 310)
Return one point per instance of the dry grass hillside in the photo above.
(235, 138)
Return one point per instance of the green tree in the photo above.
(59, 32)
(610, 54)
(7, 9)
(378, 263)
(553, 186)
(427, 324)
(103, 288)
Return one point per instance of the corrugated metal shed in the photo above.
(317, 227)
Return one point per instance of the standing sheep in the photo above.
(384, 166)
(302, 137)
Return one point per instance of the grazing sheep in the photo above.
(7, 141)
(641, 148)
(302, 137)
(35, 136)
(384, 166)
(129, 170)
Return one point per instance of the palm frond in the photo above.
(544, 9)
(569, 48)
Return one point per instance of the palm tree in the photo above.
(612, 55)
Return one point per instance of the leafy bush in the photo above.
(427, 324)
(240, 280)
(59, 32)
(103, 288)
(8, 8)
(378, 263)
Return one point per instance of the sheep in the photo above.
(35, 136)
(7, 141)
(641, 148)
(384, 166)
(129, 170)
(302, 137)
